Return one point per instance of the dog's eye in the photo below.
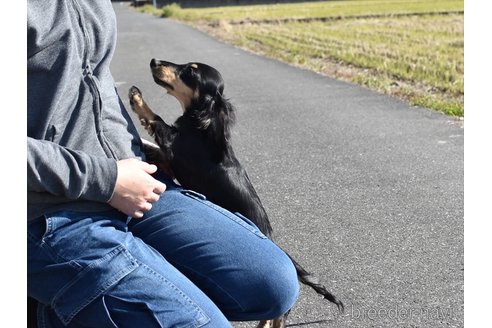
(190, 70)
(187, 71)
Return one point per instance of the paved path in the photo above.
(363, 189)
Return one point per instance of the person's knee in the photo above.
(272, 290)
(281, 290)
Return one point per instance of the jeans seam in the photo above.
(43, 244)
(222, 211)
(49, 229)
(215, 285)
(180, 292)
(49, 250)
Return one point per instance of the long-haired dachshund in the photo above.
(196, 149)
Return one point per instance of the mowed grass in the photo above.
(410, 49)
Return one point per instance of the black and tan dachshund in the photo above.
(196, 149)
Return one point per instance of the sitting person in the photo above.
(111, 241)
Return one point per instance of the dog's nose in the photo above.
(154, 63)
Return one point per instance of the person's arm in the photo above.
(126, 184)
(72, 174)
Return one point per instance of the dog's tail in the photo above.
(311, 281)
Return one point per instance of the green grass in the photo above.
(418, 57)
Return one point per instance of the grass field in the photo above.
(410, 49)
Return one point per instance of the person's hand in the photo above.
(135, 188)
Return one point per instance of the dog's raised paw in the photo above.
(135, 96)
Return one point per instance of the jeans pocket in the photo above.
(37, 229)
(96, 314)
(92, 281)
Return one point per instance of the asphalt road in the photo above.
(363, 189)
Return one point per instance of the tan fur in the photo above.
(179, 90)
(276, 323)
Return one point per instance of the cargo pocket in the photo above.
(81, 291)
(145, 299)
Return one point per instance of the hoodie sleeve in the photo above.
(60, 171)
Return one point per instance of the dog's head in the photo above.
(199, 89)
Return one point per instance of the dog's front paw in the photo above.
(145, 115)
(135, 96)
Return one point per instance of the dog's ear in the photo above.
(217, 118)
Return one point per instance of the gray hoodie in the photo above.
(76, 124)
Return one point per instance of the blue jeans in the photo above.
(186, 263)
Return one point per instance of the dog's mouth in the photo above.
(162, 83)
